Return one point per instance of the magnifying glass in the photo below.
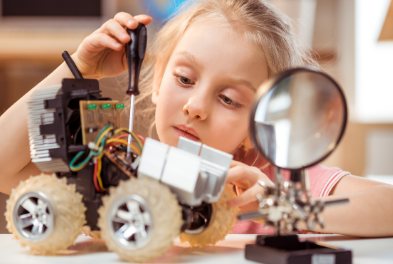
(298, 118)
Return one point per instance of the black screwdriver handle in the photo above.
(135, 52)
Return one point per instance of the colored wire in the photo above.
(102, 130)
(101, 142)
(142, 138)
(122, 136)
(80, 165)
(101, 139)
(92, 153)
(95, 175)
(139, 143)
(101, 149)
(112, 140)
(102, 135)
(99, 175)
(139, 136)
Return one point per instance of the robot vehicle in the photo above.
(137, 195)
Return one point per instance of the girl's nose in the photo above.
(196, 108)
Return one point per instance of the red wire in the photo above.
(95, 180)
(95, 177)
(126, 135)
(143, 139)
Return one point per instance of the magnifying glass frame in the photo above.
(270, 84)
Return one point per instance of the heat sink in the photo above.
(40, 145)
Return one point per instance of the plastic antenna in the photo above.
(71, 65)
(135, 52)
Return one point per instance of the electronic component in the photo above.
(119, 159)
(95, 115)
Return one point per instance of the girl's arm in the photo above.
(101, 54)
(15, 162)
(368, 213)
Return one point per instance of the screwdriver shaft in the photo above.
(130, 126)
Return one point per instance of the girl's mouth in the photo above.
(183, 131)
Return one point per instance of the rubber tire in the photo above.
(222, 221)
(166, 217)
(69, 213)
(95, 234)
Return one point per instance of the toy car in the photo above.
(135, 195)
(139, 205)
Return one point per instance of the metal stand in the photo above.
(288, 249)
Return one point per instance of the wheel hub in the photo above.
(33, 216)
(199, 219)
(131, 222)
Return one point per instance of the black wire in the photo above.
(76, 134)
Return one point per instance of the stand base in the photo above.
(289, 250)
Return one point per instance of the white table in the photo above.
(86, 250)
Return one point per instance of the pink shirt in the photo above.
(322, 181)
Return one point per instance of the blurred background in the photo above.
(345, 36)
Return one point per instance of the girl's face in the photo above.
(208, 87)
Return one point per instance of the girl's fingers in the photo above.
(246, 174)
(115, 29)
(126, 20)
(236, 163)
(236, 174)
(100, 41)
(246, 177)
(122, 20)
(247, 197)
(144, 19)
(240, 184)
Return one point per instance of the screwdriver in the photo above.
(135, 52)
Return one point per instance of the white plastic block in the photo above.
(181, 170)
(216, 164)
(153, 159)
(189, 145)
(216, 156)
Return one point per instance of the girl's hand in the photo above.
(102, 54)
(245, 179)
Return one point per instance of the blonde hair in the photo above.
(263, 25)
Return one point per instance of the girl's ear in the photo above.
(157, 78)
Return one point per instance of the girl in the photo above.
(201, 75)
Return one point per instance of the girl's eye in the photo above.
(229, 102)
(183, 80)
